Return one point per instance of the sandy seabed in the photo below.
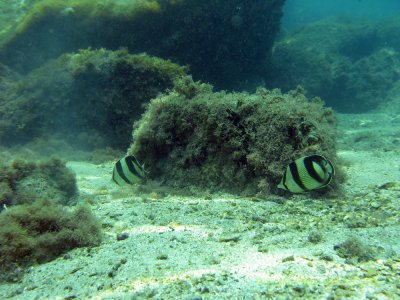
(219, 246)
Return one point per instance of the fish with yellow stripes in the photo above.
(307, 173)
(128, 170)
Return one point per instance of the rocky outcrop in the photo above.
(222, 41)
(235, 142)
(90, 98)
(351, 65)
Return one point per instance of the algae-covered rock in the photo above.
(7, 79)
(222, 41)
(41, 231)
(353, 250)
(23, 182)
(11, 13)
(351, 65)
(236, 142)
(35, 226)
(89, 98)
(392, 105)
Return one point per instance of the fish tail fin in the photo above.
(281, 186)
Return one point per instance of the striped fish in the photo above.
(128, 171)
(307, 173)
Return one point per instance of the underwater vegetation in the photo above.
(23, 182)
(7, 79)
(35, 223)
(89, 98)
(213, 37)
(353, 250)
(237, 142)
(39, 232)
(352, 66)
(392, 104)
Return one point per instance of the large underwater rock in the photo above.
(235, 142)
(11, 13)
(89, 98)
(392, 105)
(222, 41)
(8, 78)
(350, 65)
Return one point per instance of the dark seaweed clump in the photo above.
(35, 224)
(88, 99)
(235, 142)
(41, 231)
(353, 250)
(23, 182)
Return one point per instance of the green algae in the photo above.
(36, 226)
(86, 9)
(339, 61)
(41, 231)
(23, 182)
(91, 98)
(192, 33)
(353, 250)
(86, 59)
(232, 141)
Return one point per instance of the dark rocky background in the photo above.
(352, 65)
(223, 42)
(51, 89)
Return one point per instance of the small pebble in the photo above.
(289, 258)
(375, 204)
(162, 257)
(122, 236)
(229, 238)
(299, 289)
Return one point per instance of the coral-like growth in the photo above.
(236, 142)
(34, 224)
(353, 250)
(89, 98)
(23, 182)
(41, 231)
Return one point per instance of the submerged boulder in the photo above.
(222, 41)
(392, 106)
(89, 98)
(351, 65)
(7, 79)
(23, 182)
(235, 142)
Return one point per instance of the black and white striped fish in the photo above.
(128, 170)
(307, 173)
